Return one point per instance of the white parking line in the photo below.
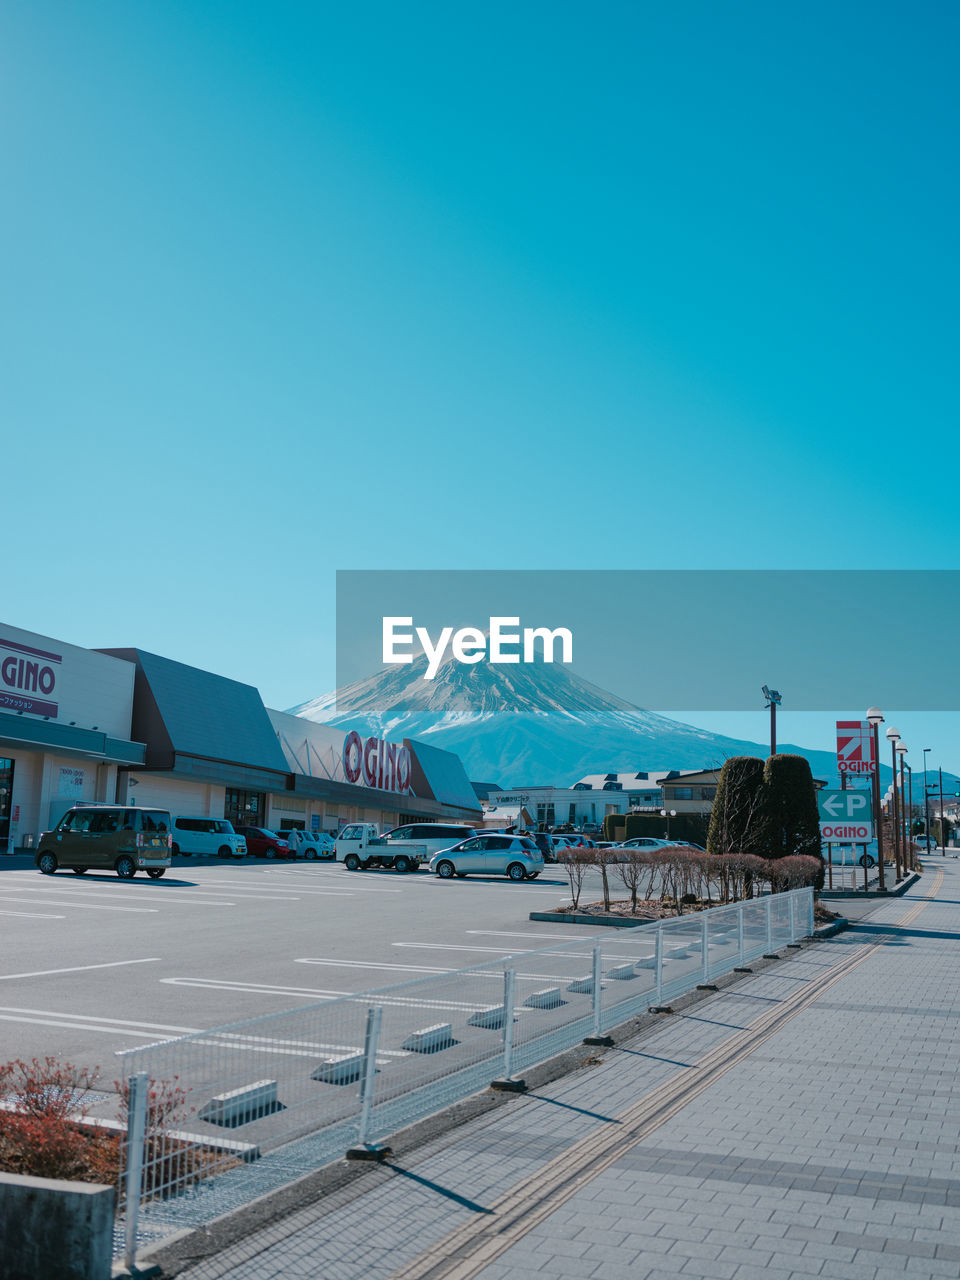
(78, 968)
(494, 974)
(86, 906)
(499, 933)
(33, 915)
(519, 951)
(84, 1022)
(92, 892)
(307, 993)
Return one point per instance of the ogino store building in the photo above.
(131, 727)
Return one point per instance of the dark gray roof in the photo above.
(181, 709)
(440, 774)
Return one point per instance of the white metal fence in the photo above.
(218, 1117)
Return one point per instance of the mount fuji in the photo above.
(528, 724)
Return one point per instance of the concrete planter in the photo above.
(52, 1228)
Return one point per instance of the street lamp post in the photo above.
(893, 737)
(926, 800)
(875, 720)
(902, 827)
(668, 814)
(774, 698)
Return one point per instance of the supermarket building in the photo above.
(132, 727)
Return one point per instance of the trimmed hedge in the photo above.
(685, 826)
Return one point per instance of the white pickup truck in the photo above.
(361, 846)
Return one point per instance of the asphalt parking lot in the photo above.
(95, 965)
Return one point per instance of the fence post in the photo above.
(811, 917)
(597, 989)
(509, 984)
(658, 963)
(769, 921)
(740, 931)
(704, 945)
(370, 1043)
(793, 919)
(138, 1089)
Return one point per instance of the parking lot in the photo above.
(95, 965)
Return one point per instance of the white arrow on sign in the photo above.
(844, 804)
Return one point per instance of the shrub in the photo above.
(792, 807)
(794, 872)
(739, 820)
(41, 1136)
(576, 863)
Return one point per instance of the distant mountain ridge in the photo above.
(529, 724)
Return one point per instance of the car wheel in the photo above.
(445, 870)
(352, 862)
(155, 872)
(79, 871)
(175, 850)
(866, 860)
(224, 851)
(48, 864)
(516, 872)
(402, 865)
(126, 868)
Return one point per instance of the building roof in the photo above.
(181, 710)
(628, 781)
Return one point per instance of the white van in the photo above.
(213, 836)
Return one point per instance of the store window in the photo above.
(6, 801)
(245, 808)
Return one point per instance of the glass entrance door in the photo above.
(6, 802)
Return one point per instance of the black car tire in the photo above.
(446, 870)
(352, 862)
(175, 850)
(155, 872)
(125, 867)
(867, 860)
(48, 863)
(402, 864)
(516, 872)
(79, 871)
(224, 851)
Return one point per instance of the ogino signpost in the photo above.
(846, 816)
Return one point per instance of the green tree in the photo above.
(791, 808)
(739, 820)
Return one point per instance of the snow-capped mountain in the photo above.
(526, 724)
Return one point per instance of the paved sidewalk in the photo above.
(721, 1145)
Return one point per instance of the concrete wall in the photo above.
(49, 1228)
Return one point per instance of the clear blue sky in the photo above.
(296, 287)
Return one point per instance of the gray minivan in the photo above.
(108, 837)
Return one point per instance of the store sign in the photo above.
(855, 747)
(71, 783)
(371, 762)
(28, 678)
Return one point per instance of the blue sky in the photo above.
(296, 287)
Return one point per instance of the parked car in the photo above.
(516, 857)
(360, 845)
(321, 845)
(207, 836)
(262, 843)
(648, 842)
(846, 855)
(108, 837)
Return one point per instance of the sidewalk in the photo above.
(804, 1122)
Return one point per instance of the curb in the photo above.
(176, 1253)
(857, 895)
(579, 917)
